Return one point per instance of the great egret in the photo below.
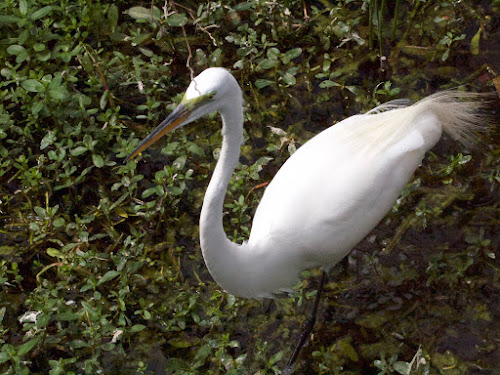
(327, 196)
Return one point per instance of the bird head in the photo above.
(206, 93)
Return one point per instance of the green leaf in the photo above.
(107, 346)
(139, 13)
(137, 328)
(36, 107)
(15, 49)
(67, 316)
(289, 79)
(58, 93)
(160, 191)
(215, 57)
(4, 357)
(327, 83)
(275, 358)
(41, 213)
(202, 353)
(42, 320)
(77, 151)
(55, 253)
(445, 55)
(195, 149)
(110, 275)
(59, 222)
(293, 53)
(180, 162)
(238, 64)
(32, 85)
(98, 160)
(6, 249)
(174, 190)
(354, 89)
(93, 315)
(146, 51)
(113, 16)
(273, 53)
(177, 19)
(40, 13)
(22, 57)
(348, 350)
(402, 367)
(148, 192)
(9, 19)
(43, 56)
(267, 64)
(247, 5)
(104, 99)
(47, 140)
(78, 344)
(23, 7)
(261, 83)
(474, 43)
(27, 346)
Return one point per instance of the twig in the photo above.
(58, 264)
(195, 22)
(256, 187)
(101, 75)
(99, 71)
(306, 16)
(190, 54)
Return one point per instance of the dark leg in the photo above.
(307, 328)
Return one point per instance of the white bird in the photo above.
(327, 196)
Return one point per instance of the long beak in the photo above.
(173, 121)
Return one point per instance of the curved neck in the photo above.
(213, 204)
(220, 254)
(247, 270)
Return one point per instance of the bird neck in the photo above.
(220, 254)
(250, 269)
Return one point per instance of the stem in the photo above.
(380, 20)
(58, 264)
(370, 24)
(395, 19)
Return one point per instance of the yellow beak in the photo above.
(173, 121)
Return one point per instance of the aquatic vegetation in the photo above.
(100, 266)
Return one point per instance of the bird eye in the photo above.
(211, 95)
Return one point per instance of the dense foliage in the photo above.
(100, 267)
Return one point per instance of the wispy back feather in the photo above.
(457, 111)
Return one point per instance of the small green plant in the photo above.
(447, 41)
(419, 365)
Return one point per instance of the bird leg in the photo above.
(306, 329)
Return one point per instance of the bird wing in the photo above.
(329, 194)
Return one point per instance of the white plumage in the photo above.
(327, 196)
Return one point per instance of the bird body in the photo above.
(350, 194)
(326, 197)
